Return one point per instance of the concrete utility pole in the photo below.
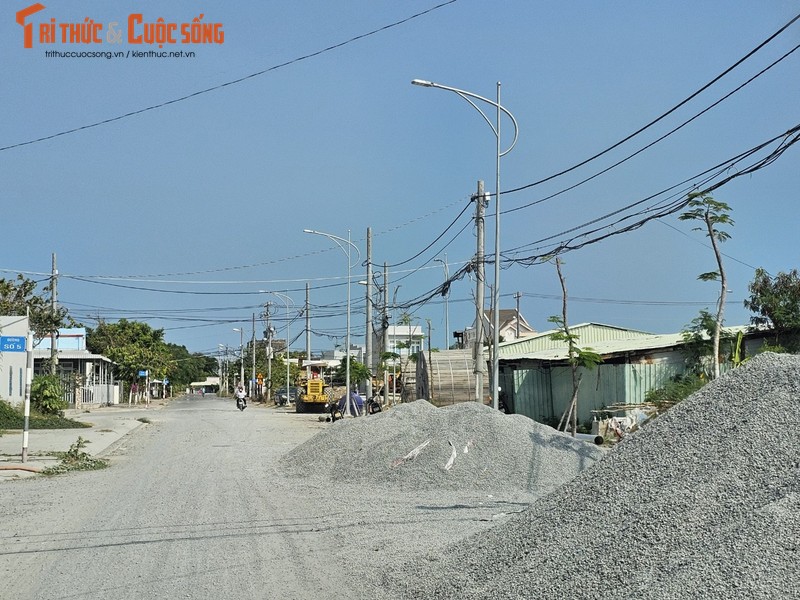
(446, 294)
(430, 363)
(253, 371)
(481, 201)
(308, 328)
(368, 341)
(385, 329)
(517, 296)
(268, 333)
(54, 310)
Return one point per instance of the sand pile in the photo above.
(464, 446)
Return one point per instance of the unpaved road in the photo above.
(193, 506)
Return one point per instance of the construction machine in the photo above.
(313, 393)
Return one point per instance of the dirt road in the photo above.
(194, 506)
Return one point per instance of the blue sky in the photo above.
(180, 215)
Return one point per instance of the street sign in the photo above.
(142, 373)
(12, 343)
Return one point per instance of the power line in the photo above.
(232, 82)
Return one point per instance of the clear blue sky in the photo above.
(179, 215)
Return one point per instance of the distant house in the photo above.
(513, 326)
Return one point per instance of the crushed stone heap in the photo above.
(464, 446)
(703, 502)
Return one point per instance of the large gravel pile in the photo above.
(704, 502)
(461, 447)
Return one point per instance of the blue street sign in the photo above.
(12, 343)
(142, 373)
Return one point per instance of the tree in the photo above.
(776, 302)
(18, 297)
(698, 340)
(713, 214)
(577, 357)
(358, 372)
(133, 346)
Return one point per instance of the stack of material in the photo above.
(452, 377)
(702, 502)
(461, 447)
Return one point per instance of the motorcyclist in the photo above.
(241, 395)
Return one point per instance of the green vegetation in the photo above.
(75, 459)
(12, 418)
(776, 303)
(713, 215)
(680, 388)
(47, 395)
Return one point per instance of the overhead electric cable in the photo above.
(232, 82)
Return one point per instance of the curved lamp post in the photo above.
(340, 242)
(496, 291)
(286, 300)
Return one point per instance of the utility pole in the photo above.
(517, 296)
(446, 294)
(385, 329)
(269, 332)
(430, 364)
(368, 341)
(308, 329)
(54, 310)
(481, 201)
(253, 371)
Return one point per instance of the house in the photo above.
(536, 378)
(87, 378)
(513, 326)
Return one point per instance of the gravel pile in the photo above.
(703, 502)
(467, 447)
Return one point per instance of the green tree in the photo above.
(133, 346)
(184, 367)
(698, 343)
(776, 304)
(714, 215)
(576, 356)
(18, 296)
(358, 372)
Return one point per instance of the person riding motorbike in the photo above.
(241, 397)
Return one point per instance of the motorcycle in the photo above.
(338, 409)
(241, 404)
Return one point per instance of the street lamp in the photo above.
(339, 242)
(286, 300)
(241, 353)
(496, 291)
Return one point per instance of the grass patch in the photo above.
(75, 459)
(12, 418)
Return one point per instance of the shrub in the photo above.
(47, 394)
(679, 388)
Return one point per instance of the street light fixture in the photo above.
(496, 291)
(339, 242)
